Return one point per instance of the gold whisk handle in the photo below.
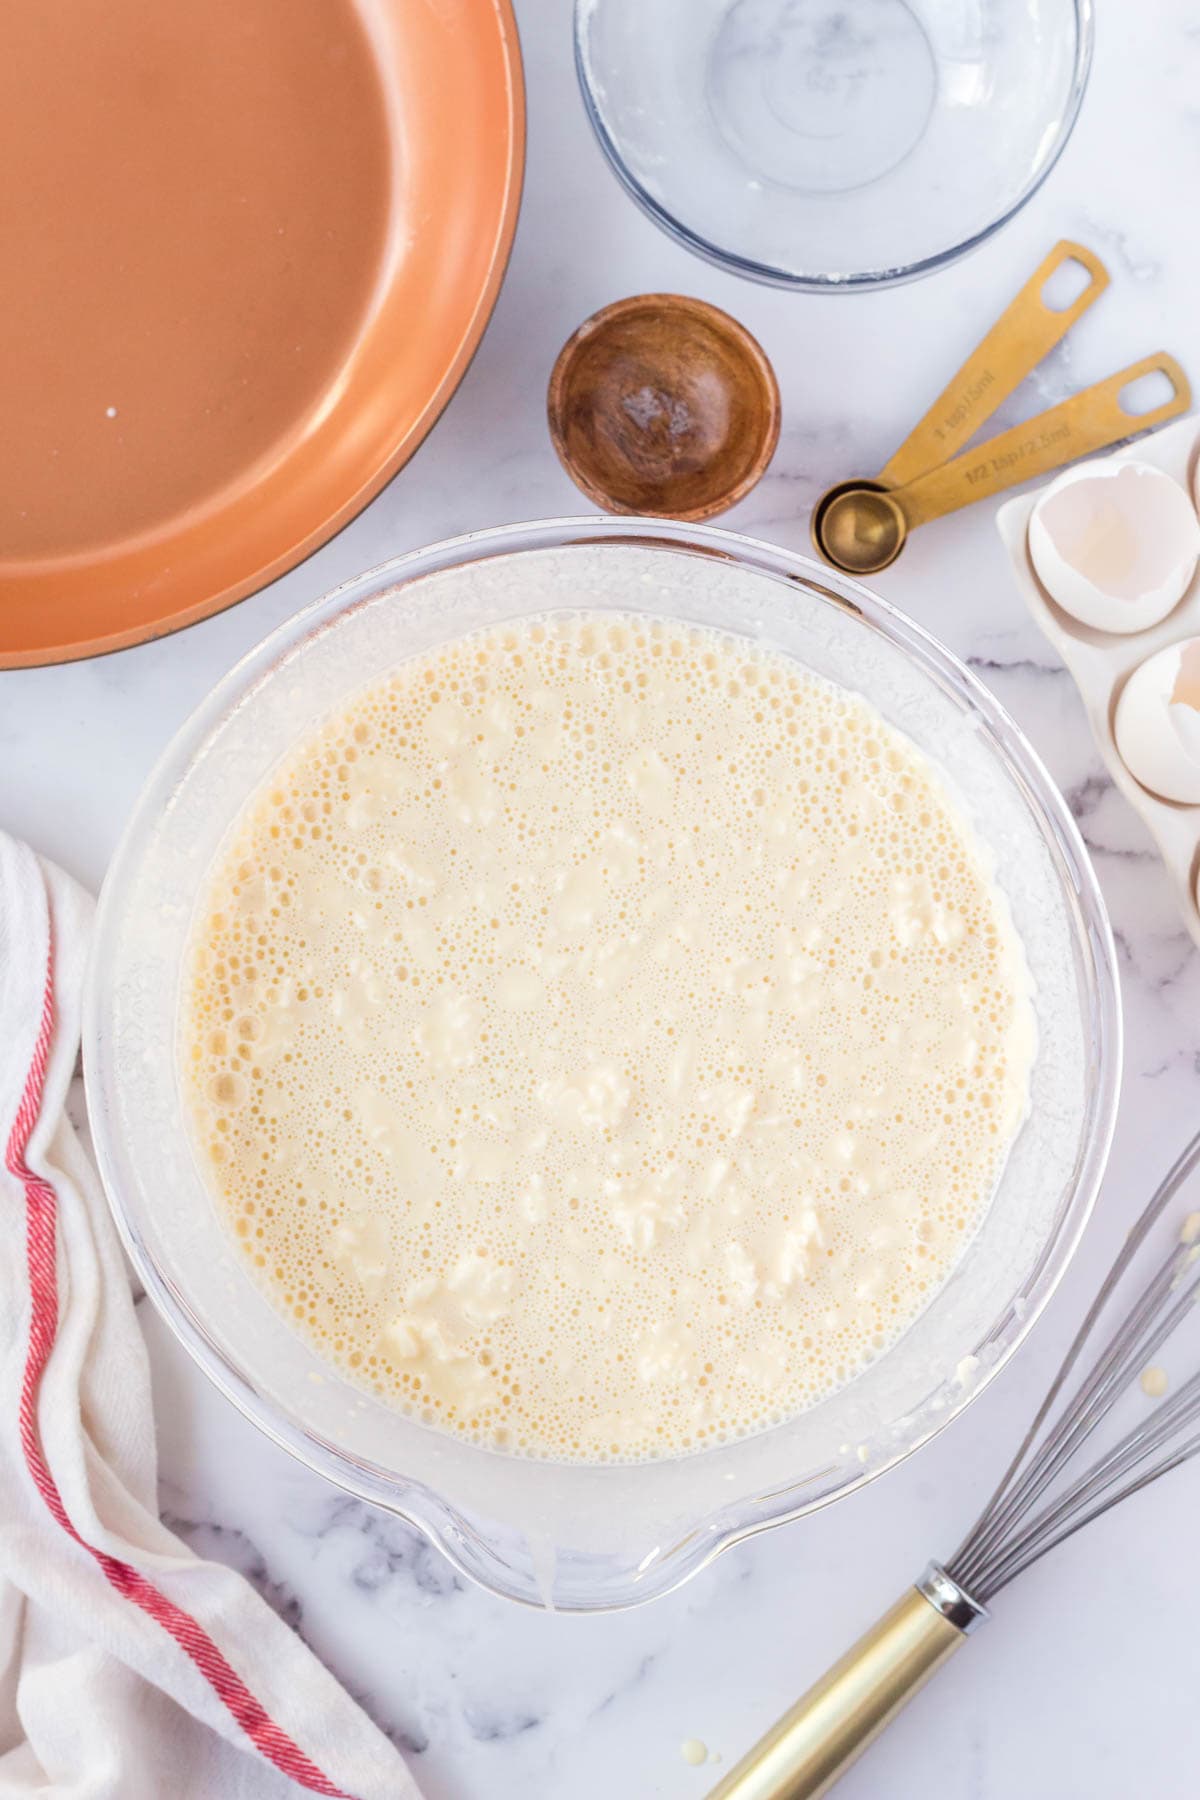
(814, 1744)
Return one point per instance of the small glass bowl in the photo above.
(823, 145)
(588, 1537)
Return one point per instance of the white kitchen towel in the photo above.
(129, 1668)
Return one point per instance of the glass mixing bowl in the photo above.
(821, 145)
(590, 1537)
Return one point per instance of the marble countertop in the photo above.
(1081, 1684)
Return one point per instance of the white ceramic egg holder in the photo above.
(1101, 662)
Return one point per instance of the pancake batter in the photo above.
(603, 1037)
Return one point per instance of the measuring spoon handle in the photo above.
(1017, 342)
(1089, 421)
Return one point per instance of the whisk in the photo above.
(1041, 1501)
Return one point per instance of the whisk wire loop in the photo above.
(1024, 1518)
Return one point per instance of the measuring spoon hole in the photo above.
(1146, 393)
(1066, 284)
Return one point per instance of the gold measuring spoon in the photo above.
(1023, 334)
(1026, 331)
(861, 527)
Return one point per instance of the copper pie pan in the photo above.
(249, 248)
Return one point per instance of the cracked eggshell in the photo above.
(1115, 544)
(1157, 723)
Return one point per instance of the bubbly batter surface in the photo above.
(603, 1036)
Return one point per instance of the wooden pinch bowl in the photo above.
(664, 405)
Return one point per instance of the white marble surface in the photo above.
(1084, 1683)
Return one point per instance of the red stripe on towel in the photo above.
(41, 1228)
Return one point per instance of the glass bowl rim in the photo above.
(857, 281)
(464, 1543)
